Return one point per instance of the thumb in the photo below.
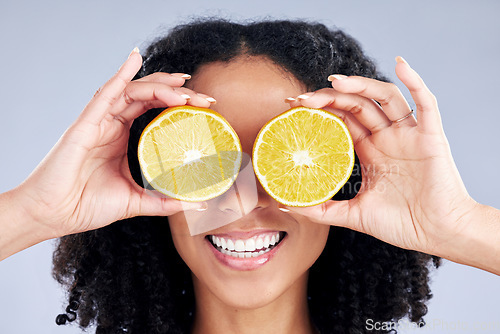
(336, 213)
(151, 203)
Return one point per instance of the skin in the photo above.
(84, 183)
(272, 298)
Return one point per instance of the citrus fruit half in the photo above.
(189, 153)
(303, 156)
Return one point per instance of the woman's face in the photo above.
(249, 92)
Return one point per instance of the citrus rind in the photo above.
(291, 124)
(196, 157)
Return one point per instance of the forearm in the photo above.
(18, 230)
(479, 244)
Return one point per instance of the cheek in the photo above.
(184, 243)
(311, 241)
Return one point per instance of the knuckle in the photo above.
(391, 91)
(108, 99)
(127, 98)
(98, 91)
(433, 99)
(356, 109)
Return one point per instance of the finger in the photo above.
(142, 91)
(366, 111)
(104, 99)
(336, 213)
(387, 94)
(357, 130)
(428, 115)
(143, 204)
(208, 98)
(139, 97)
(194, 99)
(171, 79)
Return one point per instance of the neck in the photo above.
(287, 314)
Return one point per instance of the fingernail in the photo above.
(336, 77)
(289, 99)
(186, 76)
(185, 96)
(203, 207)
(200, 206)
(135, 50)
(400, 59)
(283, 208)
(303, 97)
(211, 99)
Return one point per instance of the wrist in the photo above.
(477, 241)
(20, 229)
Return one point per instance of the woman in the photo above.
(127, 276)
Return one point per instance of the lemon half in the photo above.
(189, 153)
(303, 156)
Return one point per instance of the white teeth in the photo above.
(239, 246)
(273, 240)
(250, 245)
(242, 255)
(259, 243)
(266, 241)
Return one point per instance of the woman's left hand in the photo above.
(412, 195)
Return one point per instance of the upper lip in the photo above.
(255, 223)
(244, 234)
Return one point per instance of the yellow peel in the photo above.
(189, 153)
(303, 157)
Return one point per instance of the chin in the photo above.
(251, 263)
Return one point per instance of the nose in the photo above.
(246, 193)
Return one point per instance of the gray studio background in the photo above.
(55, 54)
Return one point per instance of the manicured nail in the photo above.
(282, 208)
(185, 96)
(400, 59)
(203, 206)
(211, 99)
(135, 50)
(303, 97)
(336, 77)
(181, 75)
(290, 99)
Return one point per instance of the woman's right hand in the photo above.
(84, 182)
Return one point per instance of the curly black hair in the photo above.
(128, 277)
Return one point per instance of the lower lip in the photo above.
(250, 263)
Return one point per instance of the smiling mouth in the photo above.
(247, 248)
